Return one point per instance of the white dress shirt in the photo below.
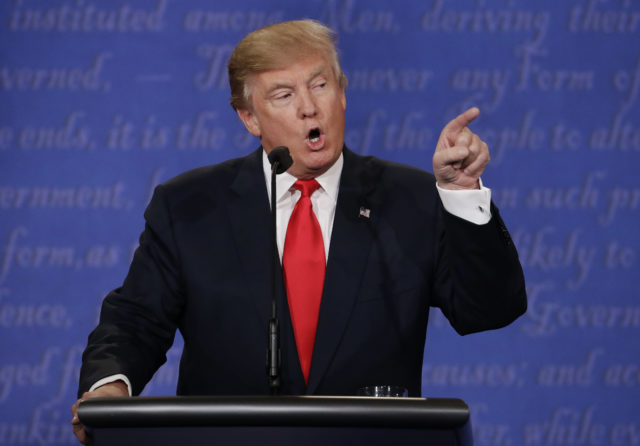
(323, 200)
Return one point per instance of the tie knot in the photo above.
(307, 187)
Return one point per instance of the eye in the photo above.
(282, 96)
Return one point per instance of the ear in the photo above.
(250, 121)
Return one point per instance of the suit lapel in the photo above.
(250, 218)
(249, 215)
(348, 252)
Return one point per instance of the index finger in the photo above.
(462, 120)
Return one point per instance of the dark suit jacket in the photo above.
(203, 266)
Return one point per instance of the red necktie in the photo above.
(304, 265)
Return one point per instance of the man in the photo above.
(391, 250)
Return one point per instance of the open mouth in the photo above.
(314, 135)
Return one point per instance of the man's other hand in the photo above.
(116, 388)
(460, 156)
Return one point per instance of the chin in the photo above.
(321, 164)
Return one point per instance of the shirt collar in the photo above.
(329, 181)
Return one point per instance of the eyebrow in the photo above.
(317, 72)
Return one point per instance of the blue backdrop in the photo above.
(102, 100)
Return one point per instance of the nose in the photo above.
(307, 107)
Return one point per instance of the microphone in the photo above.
(280, 160)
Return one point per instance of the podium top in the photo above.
(433, 413)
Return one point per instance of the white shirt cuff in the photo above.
(473, 205)
(110, 379)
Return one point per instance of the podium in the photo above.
(276, 420)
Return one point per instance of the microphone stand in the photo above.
(280, 160)
(273, 352)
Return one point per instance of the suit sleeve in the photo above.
(138, 320)
(479, 280)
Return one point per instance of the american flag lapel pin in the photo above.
(364, 212)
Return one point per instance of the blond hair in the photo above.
(274, 47)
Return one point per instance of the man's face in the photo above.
(300, 107)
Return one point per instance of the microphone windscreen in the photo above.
(282, 156)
